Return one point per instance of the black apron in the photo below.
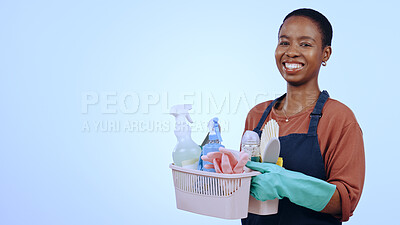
(300, 152)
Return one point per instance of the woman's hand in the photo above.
(277, 182)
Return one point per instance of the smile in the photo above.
(292, 66)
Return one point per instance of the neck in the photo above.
(299, 98)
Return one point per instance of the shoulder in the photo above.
(255, 114)
(338, 112)
(259, 108)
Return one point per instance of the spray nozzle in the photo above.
(181, 112)
(214, 128)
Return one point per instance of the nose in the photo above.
(292, 51)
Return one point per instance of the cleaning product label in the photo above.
(253, 151)
(190, 164)
(255, 158)
(211, 147)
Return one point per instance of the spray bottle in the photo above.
(186, 152)
(213, 144)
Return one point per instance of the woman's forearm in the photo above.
(334, 206)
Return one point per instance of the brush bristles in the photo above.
(270, 130)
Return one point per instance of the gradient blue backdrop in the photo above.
(67, 66)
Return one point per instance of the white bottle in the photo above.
(186, 152)
(251, 145)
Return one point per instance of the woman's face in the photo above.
(299, 53)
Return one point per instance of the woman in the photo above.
(321, 141)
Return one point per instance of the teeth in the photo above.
(293, 65)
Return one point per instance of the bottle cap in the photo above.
(250, 138)
(280, 162)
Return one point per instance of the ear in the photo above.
(326, 53)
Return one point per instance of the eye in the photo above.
(283, 43)
(305, 44)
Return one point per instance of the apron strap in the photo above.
(258, 129)
(317, 113)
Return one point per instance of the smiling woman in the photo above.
(300, 51)
(321, 141)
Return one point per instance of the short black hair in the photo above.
(322, 22)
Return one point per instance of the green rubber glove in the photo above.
(301, 189)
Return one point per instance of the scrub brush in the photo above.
(270, 130)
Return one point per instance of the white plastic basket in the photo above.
(213, 194)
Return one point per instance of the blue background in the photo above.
(66, 66)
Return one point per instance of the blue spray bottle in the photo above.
(213, 144)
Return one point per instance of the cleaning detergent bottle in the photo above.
(214, 142)
(186, 152)
(251, 145)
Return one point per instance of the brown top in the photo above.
(341, 143)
